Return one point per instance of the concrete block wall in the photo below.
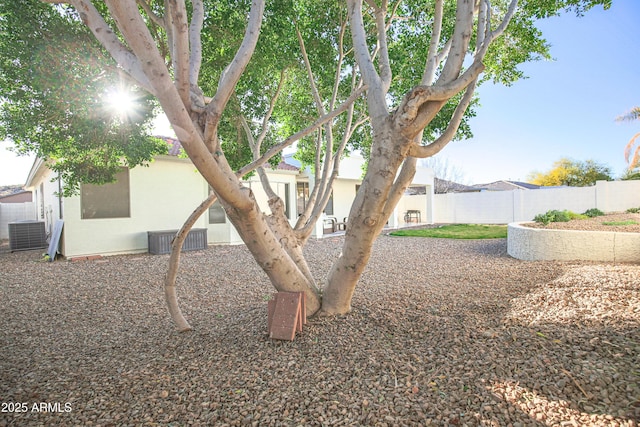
(503, 207)
(533, 244)
(11, 212)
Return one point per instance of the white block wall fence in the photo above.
(12, 212)
(503, 207)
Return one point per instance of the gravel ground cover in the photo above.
(442, 332)
(597, 223)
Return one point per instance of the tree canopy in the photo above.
(573, 173)
(55, 81)
(241, 81)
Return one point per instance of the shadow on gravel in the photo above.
(441, 333)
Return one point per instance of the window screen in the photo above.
(108, 200)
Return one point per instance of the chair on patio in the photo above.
(342, 226)
(413, 216)
(329, 224)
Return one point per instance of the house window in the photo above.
(107, 200)
(302, 196)
(217, 214)
(329, 208)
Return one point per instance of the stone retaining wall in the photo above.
(532, 244)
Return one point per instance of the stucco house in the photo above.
(116, 218)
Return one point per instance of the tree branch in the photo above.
(195, 42)
(341, 56)
(431, 66)
(231, 74)
(153, 16)
(484, 22)
(180, 49)
(300, 134)
(423, 151)
(314, 89)
(401, 183)
(459, 41)
(135, 32)
(385, 66)
(376, 94)
(407, 113)
(107, 38)
(174, 262)
(491, 36)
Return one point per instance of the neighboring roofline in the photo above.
(519, 184)
(514, 185)
(16, 194)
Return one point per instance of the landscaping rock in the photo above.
(442, 332)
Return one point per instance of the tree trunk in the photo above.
(366, 218)
(170, 294)
(272, 254)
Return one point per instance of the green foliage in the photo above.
(557, 216)
(54, 79)
(614, 223)
(572, 173)
(53, 75)
(458, 231)
(545, 8)
(631, 174)
(633, 210)
(593, 212)
(573, 215)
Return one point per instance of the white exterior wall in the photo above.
(344, 191)
(162, 196)
(46, 202)
(529, 203)
(502, 207)
(12, 212)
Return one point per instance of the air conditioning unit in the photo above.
(160, 241)
(27, 235)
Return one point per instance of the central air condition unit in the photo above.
(27, 235)
(160, 241)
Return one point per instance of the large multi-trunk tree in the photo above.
(392, 78)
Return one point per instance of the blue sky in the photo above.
(566, 108)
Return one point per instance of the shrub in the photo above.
(633, 210)
(573, 215)
(593, 212)
(553, 216)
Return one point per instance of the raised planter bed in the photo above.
(532, 244)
